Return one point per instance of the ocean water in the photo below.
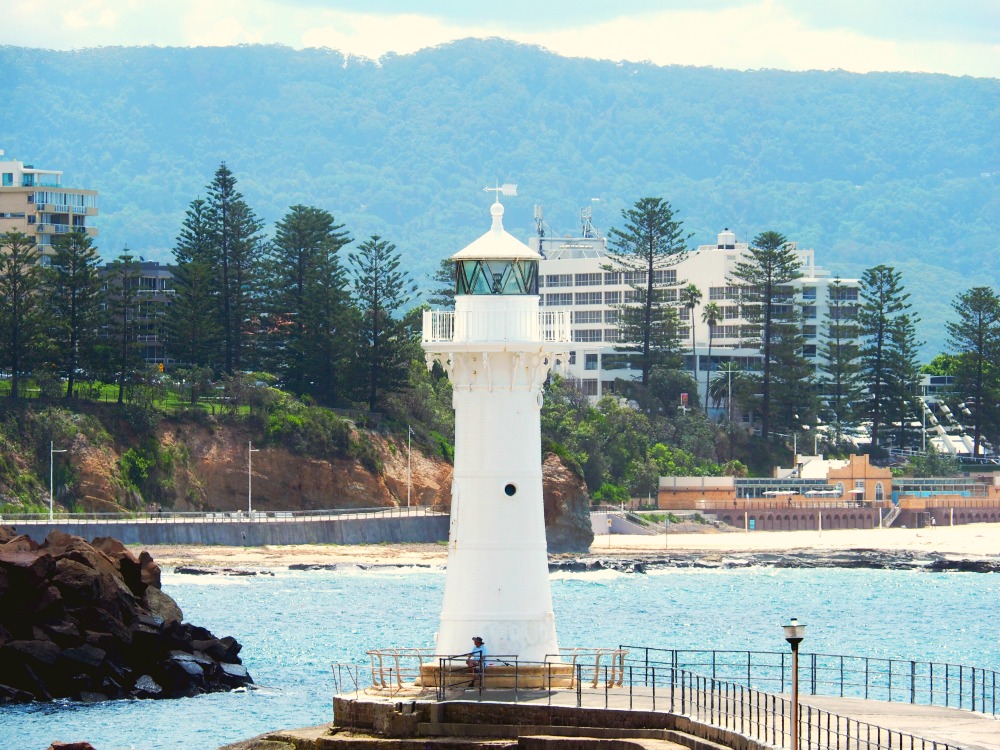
(295, 624)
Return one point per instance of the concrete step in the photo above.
(543, 742)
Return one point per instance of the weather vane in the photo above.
(508, 188)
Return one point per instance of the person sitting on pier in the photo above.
(476, 660)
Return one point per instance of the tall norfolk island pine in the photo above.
(651, 242)
(237, 249)
(309, 304)
(764, 279)
(883, 310)
(20, 323)
(193, 322)
(384, 346)
(975, 337)
(73, 298)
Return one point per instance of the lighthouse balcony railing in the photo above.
(448, 326)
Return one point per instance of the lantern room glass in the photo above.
(508, 277)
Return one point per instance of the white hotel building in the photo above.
(572, 276)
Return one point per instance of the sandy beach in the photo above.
(971, 541)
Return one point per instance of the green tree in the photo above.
(237, 252)
(904, 375)
(121, 314)
(884, 301)
(380, 291)
(309, 303)
(443, 293)
(690, 298)
(975, 337)
(73, 298)
(840, 355)
(764, 277)
(192, 327)
(20, 308)
(710, 316)
(645, 251)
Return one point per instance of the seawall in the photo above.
(251, 532)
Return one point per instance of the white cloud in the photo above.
(745, 34)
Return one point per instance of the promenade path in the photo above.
(956, 727)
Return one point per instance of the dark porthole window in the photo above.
(510, 490)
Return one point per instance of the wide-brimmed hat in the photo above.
(476, 638)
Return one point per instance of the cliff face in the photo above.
(199, 466)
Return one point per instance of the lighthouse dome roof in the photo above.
(496, 244)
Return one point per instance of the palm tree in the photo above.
(690, 298)
(710, 316)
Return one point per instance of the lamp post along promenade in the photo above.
(497, 348)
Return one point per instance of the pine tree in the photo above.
(73, 301)
(193, 329)
(645, 250)
(122, 280)
(904, 375)
(444, 285)
(883, 302)
(381, 291)
(20, 310)
(308, 302)
(764, 277)
(237, 252)
(975, 337)
(840, 356)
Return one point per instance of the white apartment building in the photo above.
(573, 277)
(34, 201)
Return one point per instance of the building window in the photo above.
(564, 299)
(879, 492)
(589, 387)
(612, 277)
(586, 316)
(588, 279)
(559, 279)
(730, 312)
(809, 292)
(665, 277)
(809, 351)
(611, 334)
(808, 311)
(611, 317)
(635, 277)
(8, 179)
(588, 298)
(587, 335)
(612, 298)
(590, 362)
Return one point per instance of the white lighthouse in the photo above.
(497, 348)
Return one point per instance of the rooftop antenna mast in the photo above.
(539, 222)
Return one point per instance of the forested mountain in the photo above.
(878, 168)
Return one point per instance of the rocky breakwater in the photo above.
(89, 622)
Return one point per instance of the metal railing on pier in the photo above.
(236, 516)
(891, 680)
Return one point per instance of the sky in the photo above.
(955, 37)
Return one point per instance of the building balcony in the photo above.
(492, 327)
(64, 229)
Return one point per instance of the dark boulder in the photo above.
(89, 622)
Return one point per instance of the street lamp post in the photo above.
(250, 451)
(52, 451)
(794, 633)
(409, 436)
